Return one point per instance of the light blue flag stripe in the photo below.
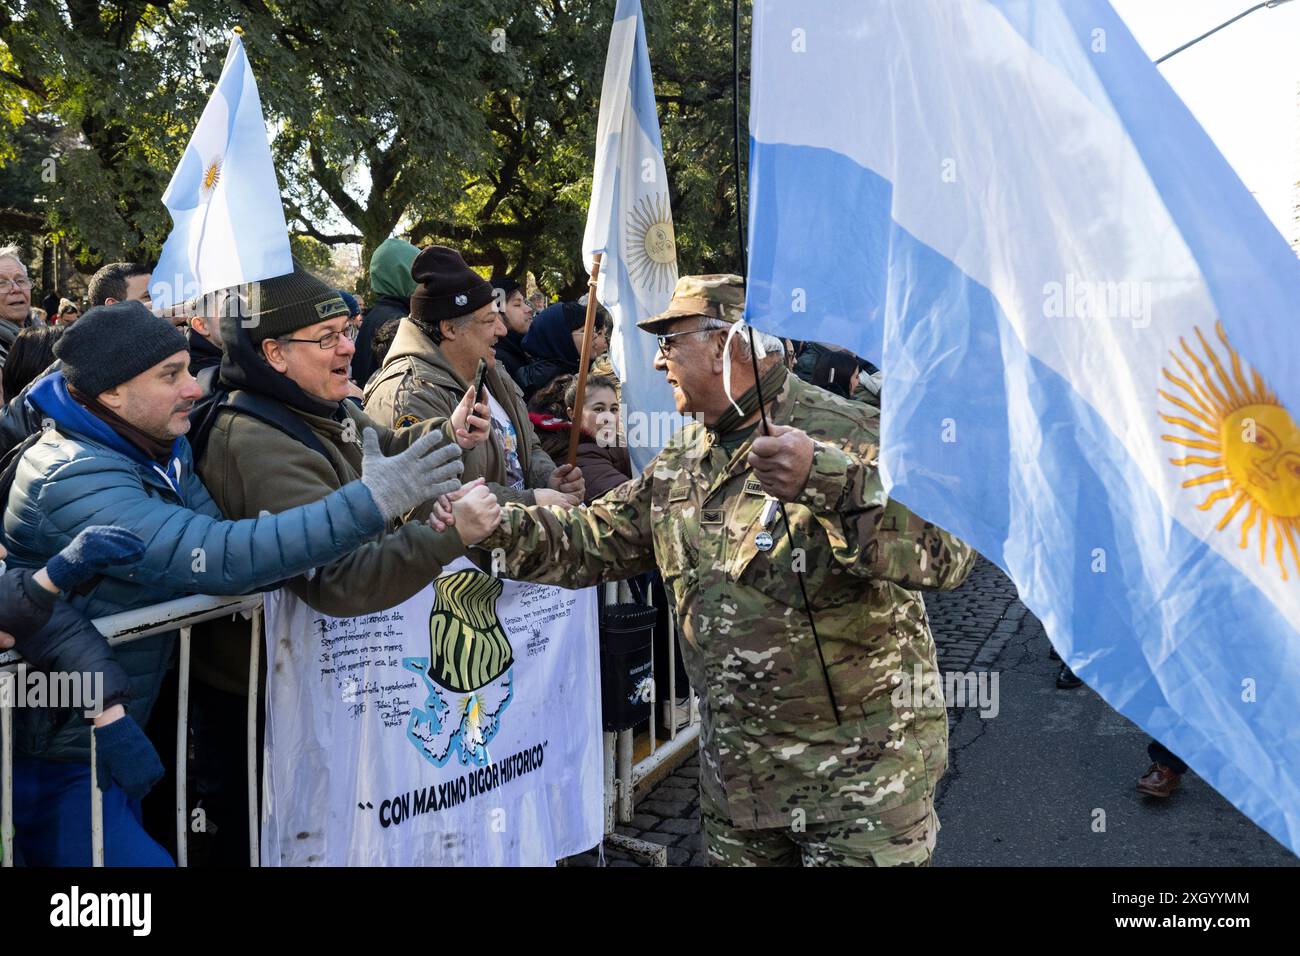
(1058, 459)
(1037, 484)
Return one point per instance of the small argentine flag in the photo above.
(227, 222)
(631, 222)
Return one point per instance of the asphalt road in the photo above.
(1027, 787)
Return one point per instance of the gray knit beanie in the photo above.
(112, 344)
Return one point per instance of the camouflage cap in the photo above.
(713, 297)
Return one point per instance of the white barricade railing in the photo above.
(122, 628)
(622, 776)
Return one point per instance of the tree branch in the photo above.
(20, 220)
(462, 232)
(309, 229)
(331, 184)
(31, 87)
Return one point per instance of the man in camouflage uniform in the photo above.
(786, 778)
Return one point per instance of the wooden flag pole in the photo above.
(575, 430)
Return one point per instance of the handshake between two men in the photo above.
(431, 466)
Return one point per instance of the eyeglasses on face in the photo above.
(21, 284)
(330, 340)
(666, 347)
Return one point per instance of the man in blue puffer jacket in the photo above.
(114, 453)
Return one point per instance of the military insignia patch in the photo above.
(331, 307)
(407, 420)
(711, 517)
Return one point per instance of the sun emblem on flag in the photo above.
(651, 244)
(211, 176)
(1237, 429)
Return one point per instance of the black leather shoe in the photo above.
(1066, 679)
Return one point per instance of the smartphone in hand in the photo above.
(479, 377)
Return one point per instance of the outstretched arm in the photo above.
(607, 540)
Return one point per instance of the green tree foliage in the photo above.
(467, 122)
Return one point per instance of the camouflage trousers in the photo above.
(902, 836)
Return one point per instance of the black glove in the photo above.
(25, 606)
(51, 635)
(94, 549)
(125, 756)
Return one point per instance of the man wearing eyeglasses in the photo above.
(808, 755)
(15, 297)
(284, 435)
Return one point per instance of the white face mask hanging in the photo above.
(759, 353)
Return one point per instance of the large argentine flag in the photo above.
(631, 222)
(227, 222)
(1089, 337)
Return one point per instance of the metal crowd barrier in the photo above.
(182, 615)
(623, 777)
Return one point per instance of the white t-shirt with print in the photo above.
(504, 434)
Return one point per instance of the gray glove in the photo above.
(421, 473)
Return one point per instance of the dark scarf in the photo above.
(157, 450)
(773, 381)
(203, 354)
(551, 334)
(243, 367)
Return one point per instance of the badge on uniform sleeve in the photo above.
(763, 541)
(407, 420)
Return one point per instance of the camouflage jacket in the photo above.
(773, 752)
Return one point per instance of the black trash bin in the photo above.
(626, 688)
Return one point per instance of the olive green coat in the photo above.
(418, 383)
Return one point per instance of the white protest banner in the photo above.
(461, 727)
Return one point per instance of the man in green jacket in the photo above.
(454, 323)
(808, 756)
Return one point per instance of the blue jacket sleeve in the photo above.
(190, 550)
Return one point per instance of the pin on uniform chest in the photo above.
(763, 540)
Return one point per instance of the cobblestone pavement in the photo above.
(971, 627)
